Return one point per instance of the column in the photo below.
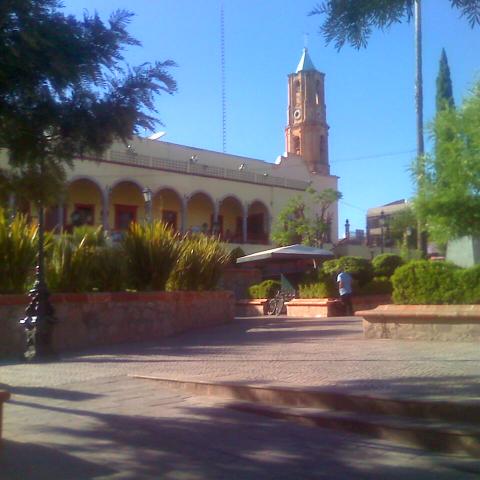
(245, 223)
(61, 214)
(11, 206)
(183, 228)
(105, 208)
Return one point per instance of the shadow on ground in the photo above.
(242, 332)
(213, 443)
(25, 461)
(48, 392)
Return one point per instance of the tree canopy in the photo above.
(352, 21)
(65, 89)
(444, 98)
(449, 193)
(305, 219)
(403, 228)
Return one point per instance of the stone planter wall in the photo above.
(423, 322)
(308, 307)
(87, 320)
(324, 307)
(251, 307)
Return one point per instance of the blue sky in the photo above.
(369, 92)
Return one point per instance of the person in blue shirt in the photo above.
(344, 282)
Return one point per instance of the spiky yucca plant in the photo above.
(151, 252)
(109, 269)
(70, 265)
(91, 236)
(18, 248)
(200, 265)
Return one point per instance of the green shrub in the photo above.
(253, 291)
(316, 290)
(109, 269)
(200, 264)
(69, 266)
(91, 236)
(377, 286)
(426, 282)
(359, 268)
(318, 284)
(266, 289)
(385, 265)
(237, 252)
(18, 247)
(152, 251)
(469, 281)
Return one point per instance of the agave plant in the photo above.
(109, 269)
(91, 236)
(18, 247)
(70, 265)
(151, 252)
(200, 264)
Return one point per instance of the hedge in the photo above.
(433, 283)
(266, 289)
(359, 268)
(384, 265)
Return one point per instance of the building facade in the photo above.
(378, 223)
(199, 190)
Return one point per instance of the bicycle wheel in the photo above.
(271, 306)
(279, 306)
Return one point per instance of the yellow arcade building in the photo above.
(200, 190)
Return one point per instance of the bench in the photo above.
(4, 396)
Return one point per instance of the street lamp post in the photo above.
(147, 196)
(39, 319)
(382, 225)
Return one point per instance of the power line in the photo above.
(364, 210)
(379, 155)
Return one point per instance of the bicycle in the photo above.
(275, 304)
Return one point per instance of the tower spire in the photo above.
(305, 64)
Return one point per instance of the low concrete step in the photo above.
(426, 434)
(461, 412)
(449, 427)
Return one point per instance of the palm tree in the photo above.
(352, 21)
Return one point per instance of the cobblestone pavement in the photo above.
(83, 418)
(313, 353)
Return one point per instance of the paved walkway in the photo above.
(83, 417)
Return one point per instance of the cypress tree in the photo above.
(444, 97)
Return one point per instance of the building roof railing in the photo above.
(191, 168)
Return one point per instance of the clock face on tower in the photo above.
(297, 114)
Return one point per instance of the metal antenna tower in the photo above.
(224, 95)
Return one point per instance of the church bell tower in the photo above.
(307, 130)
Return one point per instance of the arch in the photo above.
(230, 218)
(126, 180)
(258, 222)
(76, 178)
(126, 204)
(84, 202)
(256, 203)
(167, 205)
(200, 212)
(200, 192)
(231, 195)
(297, 145)
(167, 187)
(317, 92)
